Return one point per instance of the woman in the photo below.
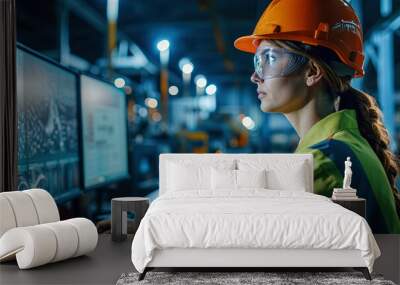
(306, 53)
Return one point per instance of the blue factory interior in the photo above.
(160, 137)
(104, 87)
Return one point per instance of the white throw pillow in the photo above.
(193, 174)
(228, 179)
(251, 178)
(223, 179)
(188, 177)
(294, 178)
(281, 175)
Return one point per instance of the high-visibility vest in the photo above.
(331, 140)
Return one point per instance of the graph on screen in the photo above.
(48, 153)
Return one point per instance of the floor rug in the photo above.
(229, 278)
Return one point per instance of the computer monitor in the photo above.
(104, 132)
(47, 106)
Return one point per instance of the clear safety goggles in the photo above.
(271, 62)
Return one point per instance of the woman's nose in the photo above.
(255, 79)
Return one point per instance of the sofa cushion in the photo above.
(7, 217)
(26, 208)
(45, 205)
(40, 244)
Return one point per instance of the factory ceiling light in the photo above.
(163, 45)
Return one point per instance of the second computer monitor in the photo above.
(104, 132)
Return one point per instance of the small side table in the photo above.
(357, 205)
(119, 217)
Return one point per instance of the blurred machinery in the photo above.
(144, 156)
(192, 141)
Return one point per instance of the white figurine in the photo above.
(347, 174)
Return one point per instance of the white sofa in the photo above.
(286, 172)
(31, 231)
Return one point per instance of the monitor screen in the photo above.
(104, 132)
(47, 106)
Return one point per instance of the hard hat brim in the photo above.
(246, 44)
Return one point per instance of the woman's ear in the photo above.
(314, 73)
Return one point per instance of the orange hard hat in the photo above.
(329, 23)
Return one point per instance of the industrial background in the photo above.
(187, 88)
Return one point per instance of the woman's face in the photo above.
(282, 94)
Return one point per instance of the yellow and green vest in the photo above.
(331, 140)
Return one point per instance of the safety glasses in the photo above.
(271, 62)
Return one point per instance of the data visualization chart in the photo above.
(48, 154)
